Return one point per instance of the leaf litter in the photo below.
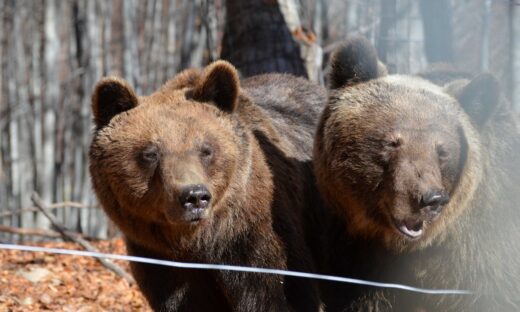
(35, 281)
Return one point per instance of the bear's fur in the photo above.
(384, 145)
(249, 146)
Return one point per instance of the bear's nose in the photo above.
(434, 200)
(195, 196)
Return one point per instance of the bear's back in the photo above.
(288, 111)
(292, 106)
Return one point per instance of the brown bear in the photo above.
(422, 184)
(205, 170)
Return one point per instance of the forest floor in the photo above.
(34, 281)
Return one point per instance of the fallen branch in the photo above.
(29, 231)
(78, 239)
(52, 206)
(39, 232)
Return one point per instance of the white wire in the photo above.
(202, 266)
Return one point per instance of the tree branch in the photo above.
(78, 239)
(29, 231)
(51, 206)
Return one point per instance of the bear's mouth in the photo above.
(410, 227)
(195, 215)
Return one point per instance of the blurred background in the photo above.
(52, 53)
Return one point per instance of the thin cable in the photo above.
(201, 266)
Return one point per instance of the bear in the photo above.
(420, 182)
(210, 169)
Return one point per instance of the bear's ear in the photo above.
(219, 84)
(479, 98)
(356, 61)
(187, 78)
(111, 96)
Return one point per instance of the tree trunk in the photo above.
(514, 11)
(256, 39)
(438, 31)
(486, 32)
(388, 18)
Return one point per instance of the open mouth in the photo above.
(410, 227)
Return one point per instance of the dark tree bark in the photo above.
(256, 39)
(438, 31)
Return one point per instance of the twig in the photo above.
(29, 231)
(49, 207)
(78, 239)
(39, 232)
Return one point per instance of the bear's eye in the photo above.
(150, 155)
(395, 143)
(442, 152)
(206, 151)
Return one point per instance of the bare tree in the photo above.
(256, 39)
(438, 32)
(388, 17)
(514, 30)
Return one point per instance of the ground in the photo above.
(32, 281)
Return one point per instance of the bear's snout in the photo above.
(434, 200)
(195, 198)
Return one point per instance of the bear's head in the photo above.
(170, 157)
(395, 156)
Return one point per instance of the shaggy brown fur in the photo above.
(250, 147)
(383, 147)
